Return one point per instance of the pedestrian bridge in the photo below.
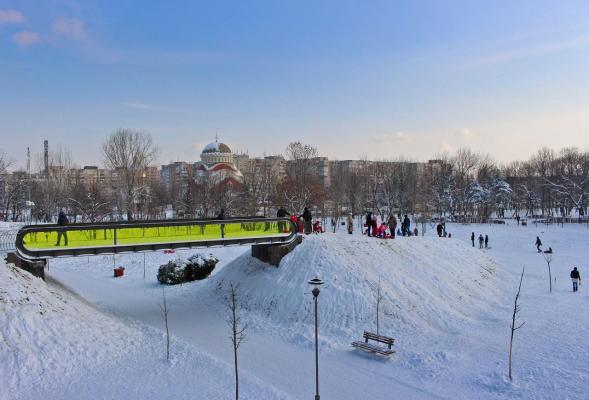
(40, 241)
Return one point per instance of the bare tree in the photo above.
(378, 299)
(301, 188)
(129, 152)
(548, 259)
(165, 312)
(514, 328)
(89, 202)
(237, 333)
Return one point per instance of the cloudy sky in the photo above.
(355, 78)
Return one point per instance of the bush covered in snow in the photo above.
(195, 267)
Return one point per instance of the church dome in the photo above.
(216, 147)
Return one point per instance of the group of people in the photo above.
(387, 229)
(483, 240)
(303, 222)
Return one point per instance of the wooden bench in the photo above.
(375, 348)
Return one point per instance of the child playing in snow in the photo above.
(382, 231)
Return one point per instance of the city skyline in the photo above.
(391, 79)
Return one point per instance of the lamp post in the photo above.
(316, 282)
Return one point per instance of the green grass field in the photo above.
(161, 234)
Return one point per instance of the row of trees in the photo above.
(463, 184)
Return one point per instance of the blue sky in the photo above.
(380, 79)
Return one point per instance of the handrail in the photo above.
(122, 237)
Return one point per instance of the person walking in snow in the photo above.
(486, 241)
(472, 238)
(392, 223)
(440, 230)
(61, 221)
(576, 278)
(415, 232)
(308, 217)
(368, 223)
(481, 241)
(538, 244)
(350, 223)
(374, 225)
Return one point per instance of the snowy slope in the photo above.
(430, 285)
(447, 304)
(55, 346)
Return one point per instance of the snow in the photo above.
(447, 305)
(56, 346)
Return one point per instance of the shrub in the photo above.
(195, 267)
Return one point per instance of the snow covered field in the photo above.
(448, 306)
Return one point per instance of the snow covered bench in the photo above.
(373, 348)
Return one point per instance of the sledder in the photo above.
(317, 228)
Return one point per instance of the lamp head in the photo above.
(315, 282)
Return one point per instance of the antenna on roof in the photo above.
(216, 137)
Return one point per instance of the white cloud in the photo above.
(26, 38)
(11, 17)
(465, 134)
(397, 137)
(445, 147)
(137, 105)
(73, 28)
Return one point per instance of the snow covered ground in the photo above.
(448, 306)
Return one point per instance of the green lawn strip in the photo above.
(163, 234)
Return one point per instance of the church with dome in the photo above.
(218, 164)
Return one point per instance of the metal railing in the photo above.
(48, 241)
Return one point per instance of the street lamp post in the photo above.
(316, 282)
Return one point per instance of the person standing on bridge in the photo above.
(221, 217)
(282, 213)
(61, 221)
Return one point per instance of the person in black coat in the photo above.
(61, 221)
(440, 230)
(481, 241)
(308, 219)
(368, 223)
(538, 244)
(282, 213)
(221, 216)
(486, 241)
(576, 278)
(472, 238)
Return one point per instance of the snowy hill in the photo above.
(55, 346)
(430, 285)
